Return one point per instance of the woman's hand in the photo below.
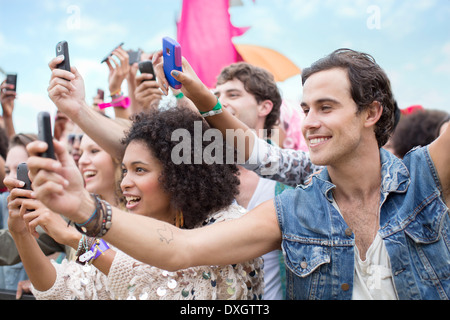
(193, 88)
(121, 70)
(52, 223)
(16, 199)
(58, 184)
(66, 89)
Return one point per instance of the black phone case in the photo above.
(22, 175)
(147, 67)
(12, 79)
(62, 48)
(45, 134)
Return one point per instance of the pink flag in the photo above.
(205, 33)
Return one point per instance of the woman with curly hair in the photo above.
(187, 195)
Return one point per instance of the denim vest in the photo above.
(319, 246)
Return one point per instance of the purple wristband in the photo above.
(102, 247)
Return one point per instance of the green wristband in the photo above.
(216, 110)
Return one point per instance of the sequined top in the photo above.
(131, 279)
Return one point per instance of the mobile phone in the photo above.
(134, 56)
(147, 67)
(11, 78)
(172, 60)
(110, 54)
(22, 175)
(45, 133)
(62, 48)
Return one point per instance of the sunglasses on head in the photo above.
(72, 137)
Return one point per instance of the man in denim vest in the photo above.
(367, 226)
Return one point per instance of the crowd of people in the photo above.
(361, 214)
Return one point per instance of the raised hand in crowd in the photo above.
(67, 91)
(147, 93)
(7, 98)
(193, 88)
(117, 74)
(58, 192)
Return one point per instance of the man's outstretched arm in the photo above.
(440, 154)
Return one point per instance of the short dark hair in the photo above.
(196, 189)
(258, 82)
(368, 83)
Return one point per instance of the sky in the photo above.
(410, 39)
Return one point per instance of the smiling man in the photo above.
(367, 226)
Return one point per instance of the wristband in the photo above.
(116, 93)
(99, 247)
(216, 110)
(123, 102)
(179, 96)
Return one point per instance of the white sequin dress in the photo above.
(131, 279)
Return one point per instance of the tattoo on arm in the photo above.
(165, 234)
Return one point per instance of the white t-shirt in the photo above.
(265, 191)
(373, 277)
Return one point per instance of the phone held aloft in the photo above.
(147, 67)
(134, 56)
(110, 54)
(172, 60)
(22, 175)
(11, 78)
(45, 134)
(62, 49)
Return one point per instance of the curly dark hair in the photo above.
(369, 83)
(196, 189)
(260, 83)
(416, 129)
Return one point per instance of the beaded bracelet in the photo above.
(102, 217)
(216, 110)
(106, 221)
